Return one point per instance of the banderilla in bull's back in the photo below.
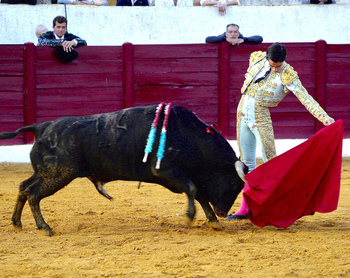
(195, 158)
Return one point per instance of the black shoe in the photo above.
(236, 217)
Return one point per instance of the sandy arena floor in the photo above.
(142, 233)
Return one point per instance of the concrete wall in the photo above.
(111, 25)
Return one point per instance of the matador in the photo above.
(267, 82)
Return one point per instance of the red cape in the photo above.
(299, 182)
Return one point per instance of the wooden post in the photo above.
(321, 60)
(128, 56)
(29, 90)
(224, 90)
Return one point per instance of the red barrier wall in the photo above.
(12, 104)
(206, 78)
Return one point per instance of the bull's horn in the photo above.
(239, 165)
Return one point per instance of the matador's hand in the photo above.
(329, 121)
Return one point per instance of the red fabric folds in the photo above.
(299, 182)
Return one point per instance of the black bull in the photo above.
(106, 147)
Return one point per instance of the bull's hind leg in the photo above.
(21, 200)
(36, 192)
(39, 220)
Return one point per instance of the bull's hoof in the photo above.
(188, 222)
(50, 233)
(47, 232)
(17, 228)
(215, 226)
(46, 229)
(17, 225)
(190, 216)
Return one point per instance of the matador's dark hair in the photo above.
(276, 52)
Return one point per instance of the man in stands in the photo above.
(318, 1)
(233, 37)
(132, 3)
(60, 37)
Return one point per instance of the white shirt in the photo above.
(57, 38)
(62, 39)
(263, 70)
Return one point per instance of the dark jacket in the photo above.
(318, 2)
(30, 2)
(49, 39)
(222, 38)
(128, 3)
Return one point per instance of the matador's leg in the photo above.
(245, 137)
(266, 134)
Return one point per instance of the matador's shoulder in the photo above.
(288, 74)
(256, 56)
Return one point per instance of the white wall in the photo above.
(20, 153)
(111, 25)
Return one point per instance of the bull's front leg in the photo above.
(179, 180)
(191, 212)
(210, 214)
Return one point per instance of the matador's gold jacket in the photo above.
(273, 89)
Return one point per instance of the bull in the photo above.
(197, 159)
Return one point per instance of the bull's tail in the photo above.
(10, 135)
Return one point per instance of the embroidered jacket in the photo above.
(273, 89)
(49, 39)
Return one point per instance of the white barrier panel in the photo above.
(20, 153)
(111, 25)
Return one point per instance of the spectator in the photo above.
(221, 4)
(233, 37)
(173, 3)
(84, 2)
(29, 2)
(318, 1)
(268, 80)
(60, 37)
(40, 29)
(64, 41)
(132, 3)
